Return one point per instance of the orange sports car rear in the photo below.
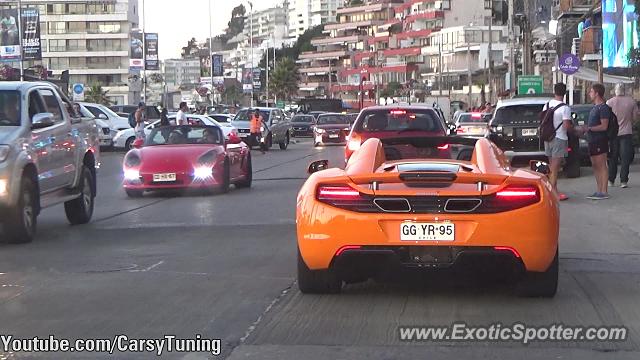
(387, 209)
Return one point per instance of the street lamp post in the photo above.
(211, 52)
(251, 45)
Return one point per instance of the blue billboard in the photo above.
(619, 32)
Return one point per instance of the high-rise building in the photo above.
(182, 73)
(90, 39)
(306, 14)
(265, 25)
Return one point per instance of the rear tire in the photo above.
(79, 211)
(285, 143)
(134, 193)
(536, 284)
(317, 281)
(128, 145)
(20, 224)
(246, 183)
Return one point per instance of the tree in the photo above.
(191, 49)
(236, 24)
(284, 79)
(97, 95)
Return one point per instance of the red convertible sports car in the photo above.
(187, 156)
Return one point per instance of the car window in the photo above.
(52, 105)
(332, 120)
(471, 118)
(220, 118)
(95, 111)
(520, 113)
(399, 120)
(36, 105)
(185, 135)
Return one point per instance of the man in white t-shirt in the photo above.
(557, 149)
(181, 116)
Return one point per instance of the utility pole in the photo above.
(490, 57)
(144, 53)
(251, 45)
(440, 83)
(267, 73)
(20, 39)
(469, 75)
(330, 80)
(211, 52)
(512, 44)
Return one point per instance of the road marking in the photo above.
(149, 268)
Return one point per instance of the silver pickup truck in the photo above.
(48, 155)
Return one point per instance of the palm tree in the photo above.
(95, 94)
(284, 80)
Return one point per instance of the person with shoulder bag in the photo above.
(554, 127)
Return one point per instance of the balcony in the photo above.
(414, 34)
(572, 8)
(314, 55)
(427, 15)
(353, 25)
(315, 70)
(590, 43)
(337, 40)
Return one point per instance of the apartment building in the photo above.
(182, 74)
(90, 39)
(307, 14)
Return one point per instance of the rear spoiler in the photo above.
(431, 141)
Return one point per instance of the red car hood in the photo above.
(175, 158)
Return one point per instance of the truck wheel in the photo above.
(246, 183)
(544, 284)
(317, 281)
(20, 226)
(79, 211)
(285, 143)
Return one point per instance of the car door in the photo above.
(42, 145)
(276, 126)
(63, 139)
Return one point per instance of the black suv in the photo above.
(514, 129)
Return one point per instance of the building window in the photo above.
(77, 27)
(59, 63)
(75, 9)
(104, 45)
(76, 45)
(57, 45)
(103, 9)
(55, 9)
(77, 62)
(57, 27)
(106, 27)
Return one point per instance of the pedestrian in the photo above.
(556, 149)
(626, 110)
(598, 140)
(181, 116)
(164, 118)
(255, 129)
(140, 119)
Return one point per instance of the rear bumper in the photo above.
(183, 181)
(324, 232)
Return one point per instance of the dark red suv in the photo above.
(395, 121)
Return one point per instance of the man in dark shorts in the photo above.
(599, 141)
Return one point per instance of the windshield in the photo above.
(185, 135)
(518, 113)
(333, 120)
(306, 119)
(400, 120)
(243, 115)
(9, 108)
(473, 118)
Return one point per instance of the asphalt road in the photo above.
(223, 267)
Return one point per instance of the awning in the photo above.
(592, 75)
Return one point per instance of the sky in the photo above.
(177, 21)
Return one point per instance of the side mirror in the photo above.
(102, 116)
(234, 139)
(137, 144)
(42, 120)
(319, 165)
(540, 167)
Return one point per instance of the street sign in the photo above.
(78, 92)
(530, 84)
(569, 64)
(280, 104)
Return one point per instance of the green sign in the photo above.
(530, 84)
(280, 104)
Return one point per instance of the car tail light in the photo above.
(461, 130)
(510, 198)
(347, 248)
(443, 147)
(345, 197)
(507, 248)
(476, 115)
(398, 112)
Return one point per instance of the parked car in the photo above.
(473, 124)
(152, 112)
(102, 112)
(514, 129)
(105, 133)
(278, 129)
(580, 115)
(47, 157)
